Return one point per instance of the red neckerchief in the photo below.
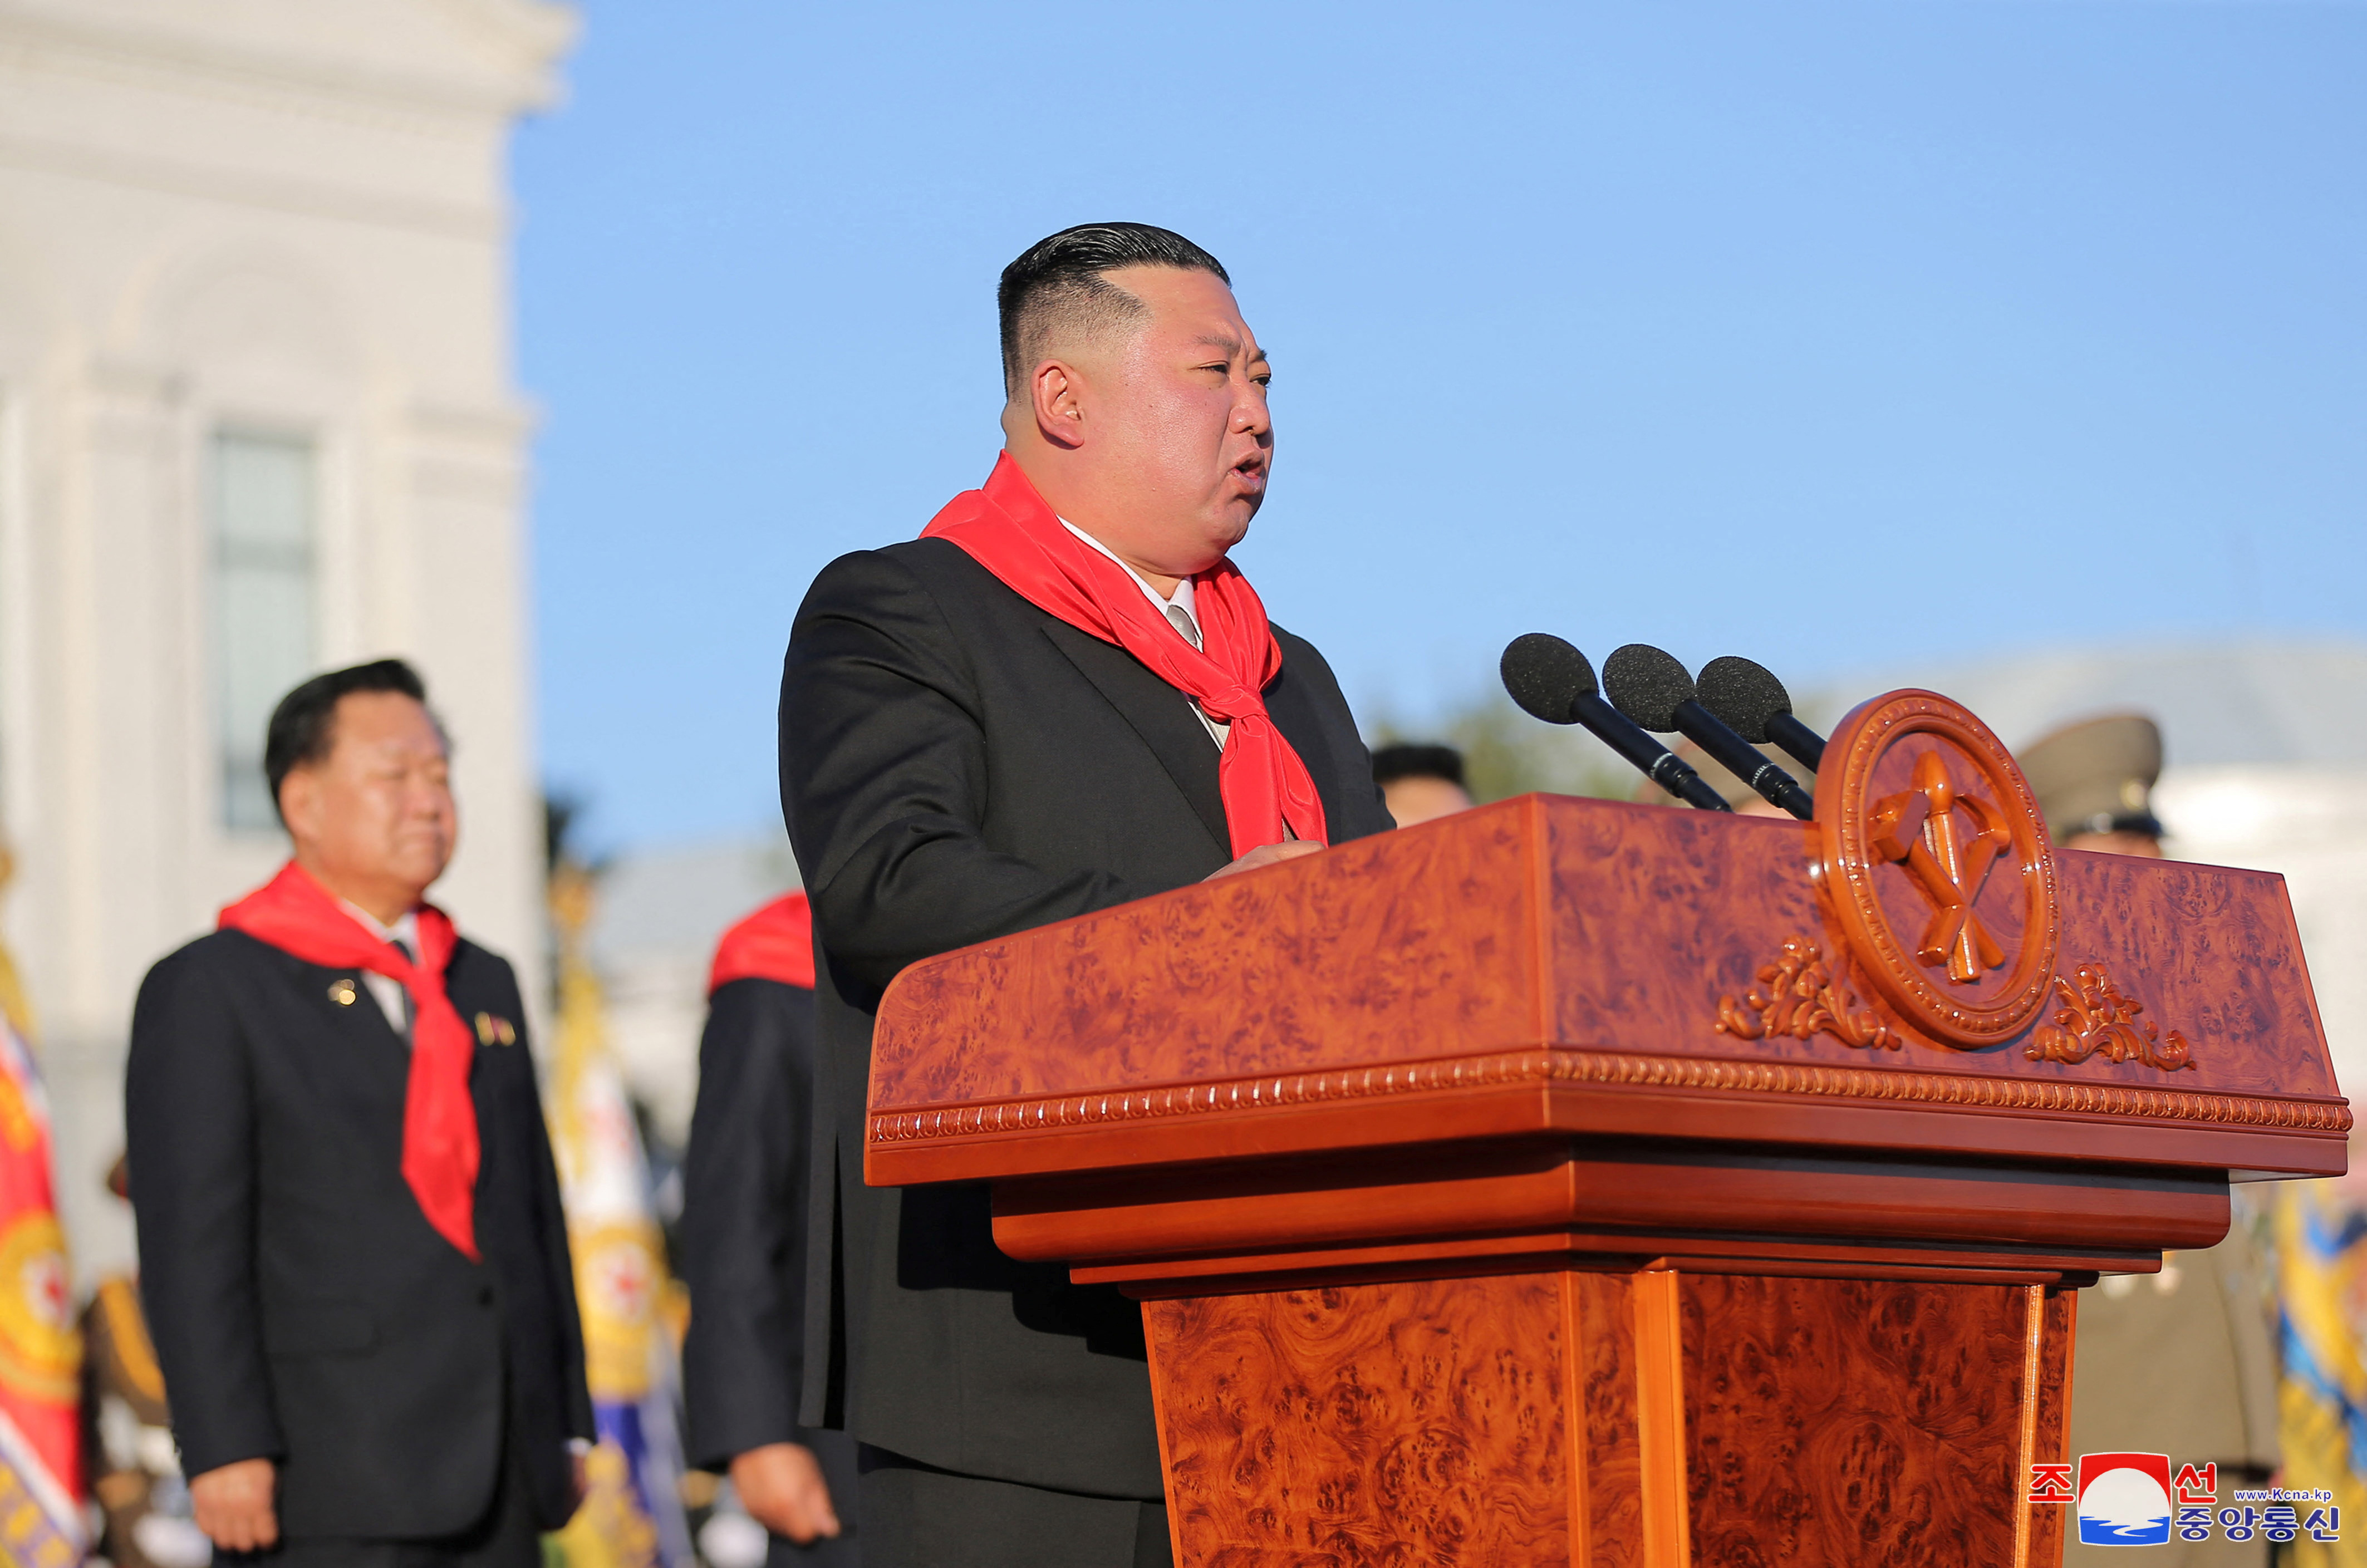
(298, 916)
(1008, 528)
(774, 943)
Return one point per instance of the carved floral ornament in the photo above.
(1965, 818)
(1800, 996)
(2097, 1020)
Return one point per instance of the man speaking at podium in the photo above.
(1061, 697)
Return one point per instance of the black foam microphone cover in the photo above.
(1651, 688)
(1552, 681)
(1648, 685)
(1753, 702)
(1545, 676)
(1746, 695)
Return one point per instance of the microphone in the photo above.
(1552, 681)
(1749, 697)
(1652, 688)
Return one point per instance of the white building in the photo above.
(258, 417)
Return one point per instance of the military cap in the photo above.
(2097, 777)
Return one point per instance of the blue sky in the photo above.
(1833, 334)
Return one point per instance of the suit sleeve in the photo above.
(743, 1218)
(883, 782)
(190, 1129)
(558, 1258)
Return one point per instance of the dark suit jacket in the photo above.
(303, 1309)
(744, 1240)
(958, 765)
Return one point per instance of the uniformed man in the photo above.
(2094, 783)
(2179, 1362)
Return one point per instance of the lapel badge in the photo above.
(341, 991)
(493, 1031)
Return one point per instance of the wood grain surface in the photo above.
(1562, 946)
(1543, 1418)
(1854, 1424)
(1654, 919)
(1147, 1279)
(1657, 1319)
(1466, 1236)
(1469, 1189)
(1611, 1477)
(2046, 1414)
(1394, 948)
(1418, 1422)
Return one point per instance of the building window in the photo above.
(264, 498)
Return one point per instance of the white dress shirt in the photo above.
(386, 991)
(1180, 613)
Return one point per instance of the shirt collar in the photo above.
(405, 931)
(1182, 599)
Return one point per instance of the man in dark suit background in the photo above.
(1064, 698)
(743, 1242)
(351, 1247)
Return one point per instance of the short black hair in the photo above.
(303, 727)
(1391, 764)
(1062, 275)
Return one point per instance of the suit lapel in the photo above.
(1287, 704)
(1160, 714)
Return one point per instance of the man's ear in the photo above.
(1057, 392)
(299, 804)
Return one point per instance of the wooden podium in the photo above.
(1576, 1182)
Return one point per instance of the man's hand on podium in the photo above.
(782, 1488)
(1265, 855)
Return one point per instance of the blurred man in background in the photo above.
(1421, 783)
(746, 1186)
(2179, 1362)
(351, 1247)
(2094, 782)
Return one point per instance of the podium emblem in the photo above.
(1936, 864)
